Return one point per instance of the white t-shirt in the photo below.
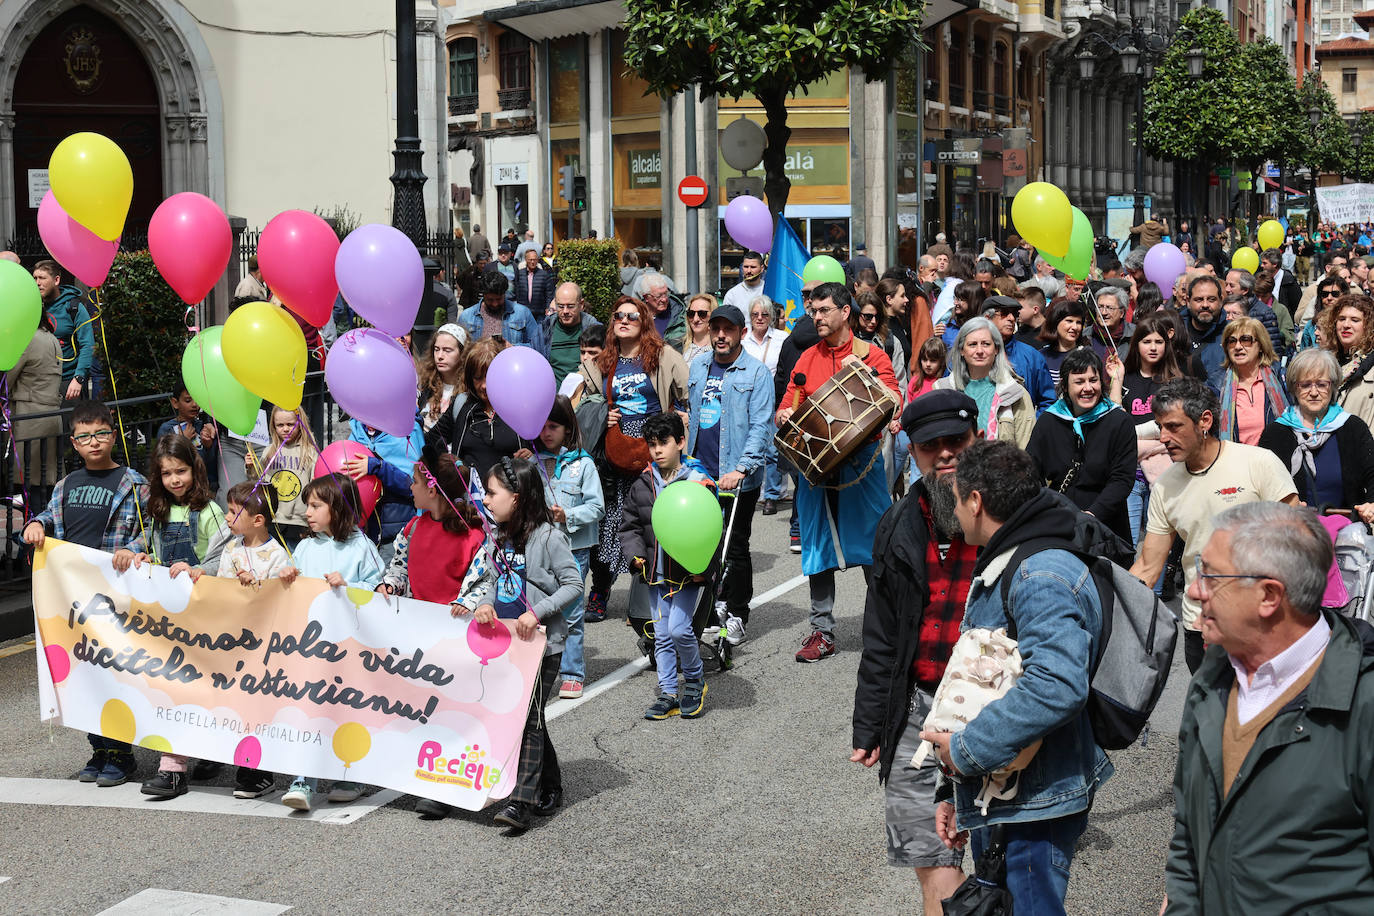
(1186, 504)
(741, 294)
(766, 351)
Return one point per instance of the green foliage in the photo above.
(1279, 130)
(145, 332)
(1200, 120)
(594, 265)
(1360, 164)
(341, 219)
(1331, 149)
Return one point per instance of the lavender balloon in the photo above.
(748, 221)
(520, 386)
(373, 378)
(1163, 264)
(381, 275)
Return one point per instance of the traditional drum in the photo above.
(843, 414)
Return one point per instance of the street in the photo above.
(752, 808)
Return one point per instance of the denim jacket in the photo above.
(518, 325)
(1058, 619)
(746, 410)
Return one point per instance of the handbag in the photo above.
(984, 893)
(627, 454)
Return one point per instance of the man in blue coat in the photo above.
(534, 284)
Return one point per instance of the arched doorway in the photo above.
(84, 73)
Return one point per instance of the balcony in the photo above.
(982, 101)
(514, 99)
(459, 105)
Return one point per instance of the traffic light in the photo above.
(579, 193)
(565, 182)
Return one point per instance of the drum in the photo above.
(844, 413)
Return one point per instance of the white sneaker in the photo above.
(734, 630)
(298, 796)
(345, 792)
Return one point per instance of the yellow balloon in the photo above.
(1270, 234)
(1044, 217)
(351, 743)
(156, 743)
(265, 350)
(1245, 259)
(117, 721)
(92, 180)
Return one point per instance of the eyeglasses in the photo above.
(626, 316)
(868, 316)
(806, 295)
(100, 435)
(1331, 294)
(698, 313)
(826, 310)
(1203, 586)
(1313, 384)
(1245, 340)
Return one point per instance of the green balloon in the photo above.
(687, 523)
(21, 305)
(1079, 257)
(823, 269)
(215, 389)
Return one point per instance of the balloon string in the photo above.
(90, 320)
(357, 508)
(119, 417)
(7, 425)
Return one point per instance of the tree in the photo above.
(766, 48)
(1361, 163)
(1328, 148)
(1199, 120)
(1277, 128)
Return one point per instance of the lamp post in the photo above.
(1314, 117)
(1357, 133)
(408, 179)
(1137, 48)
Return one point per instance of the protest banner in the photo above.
(338, 683)
(1346, 203)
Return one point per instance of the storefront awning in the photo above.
(538, 20)
(1271, 183)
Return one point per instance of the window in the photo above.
(462, 67)
(1348, 80)
(514, 61)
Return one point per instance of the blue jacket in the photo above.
(1029, 363)
(576, 487)
(518, 325)
(1058, 619)
(1206, 343)
(394, 466)
(356, 559)
(746, 407)
(544, 282)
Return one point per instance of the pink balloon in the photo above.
(382, 276)
(190, 241)
(373, 378)
(59, 663)
(1163, 264)
(488, 640)
(248, 753)
(521, 387)
(74, 246)
(296, 253)
(748, 221)
(331, 461)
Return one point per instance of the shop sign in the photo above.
(811, 165)
(509, 173)
(964, 151)
(646, 168)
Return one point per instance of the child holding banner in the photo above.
(341, 555)
(100, 506)
(186, 524)
(535, 578)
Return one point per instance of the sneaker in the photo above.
(693, 698)
(595, 609)
(795, 545)
(167, 784)
(255, 787)
(92, 769)
(665, 707)
(431, 810)
(119, 769)
(734, 630)
(816, 647)
(571, 690)
(205, 770)
(345, 792)
(770, 507)
(298, 796)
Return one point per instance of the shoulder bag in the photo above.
(628, 454)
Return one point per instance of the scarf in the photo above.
(1276, 401)
(1310, 441)
(1063, 411)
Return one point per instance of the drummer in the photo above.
(836, 533)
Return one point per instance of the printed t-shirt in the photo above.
(708, 424)
(634, 390)
(510, 586)
(86, 503)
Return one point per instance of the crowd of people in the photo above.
(1173, 423)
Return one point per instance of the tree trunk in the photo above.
(776, 185)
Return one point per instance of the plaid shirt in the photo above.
(949, 573)
(123, 525)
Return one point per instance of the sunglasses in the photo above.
(1244, 340)
(626, 316)
(1331, 294)
(698, 313)
(868, 316)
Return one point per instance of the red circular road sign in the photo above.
(692, 191)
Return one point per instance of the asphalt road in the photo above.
(752, 808)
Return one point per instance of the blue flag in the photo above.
(783, 282)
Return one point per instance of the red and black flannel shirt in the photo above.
(949, 573)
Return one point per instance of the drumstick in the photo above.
(799, 379)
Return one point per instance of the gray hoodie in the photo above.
(552, 582)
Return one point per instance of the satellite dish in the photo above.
(742, 143)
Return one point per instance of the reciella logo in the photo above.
(468, 769)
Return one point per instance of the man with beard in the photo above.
(921, 573)
(1204, 320)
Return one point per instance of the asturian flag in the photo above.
(783, 281)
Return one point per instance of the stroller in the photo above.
(708, 618)
(1354, 543)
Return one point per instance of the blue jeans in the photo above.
(1137, 506)
(675, 642)
(1038, 857)
(774, 479)
(574, 666)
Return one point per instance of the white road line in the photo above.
(3, 880)
(16, 648)
(183, 903)
(201, 800)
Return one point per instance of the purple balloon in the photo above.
(748, 221)
(520, 386)
(1163, 264)
(373, 378)
(380, 273)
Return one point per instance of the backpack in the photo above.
(1135, 648)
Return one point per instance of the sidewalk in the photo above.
(16, 615)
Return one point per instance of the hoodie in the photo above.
(72, 326)
(636, 522)
(395, 467)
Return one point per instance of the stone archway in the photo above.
(192, 135)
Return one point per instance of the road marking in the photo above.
(3, 880)
(16, 648)
(201, 800)
(183, 903)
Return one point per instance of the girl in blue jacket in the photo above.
(394, 466)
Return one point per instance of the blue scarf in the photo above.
(1310, 441)
(1061, 409)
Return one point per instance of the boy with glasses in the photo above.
(100, 505)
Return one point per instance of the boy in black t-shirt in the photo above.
(99, 505)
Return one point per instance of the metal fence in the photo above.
(440, 246)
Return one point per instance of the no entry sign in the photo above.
(692, 191)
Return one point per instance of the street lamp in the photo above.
(1314, 117)
(1357, 133)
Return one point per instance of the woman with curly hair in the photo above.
(441, 373)
(1347, 327)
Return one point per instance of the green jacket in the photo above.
(1293, 835)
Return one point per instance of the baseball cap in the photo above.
(731, 314)
(938, 413)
